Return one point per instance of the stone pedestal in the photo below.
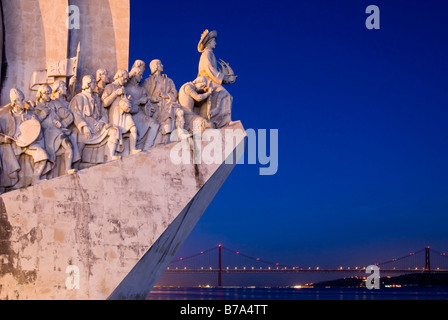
(108, 231)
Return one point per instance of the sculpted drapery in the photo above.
(106, 121)
(218, 107)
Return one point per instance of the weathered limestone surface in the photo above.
(104, 220)
(37, 35)
(103, 34)
(25, 48)
(1, 43)
(145, 274)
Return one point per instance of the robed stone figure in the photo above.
(163, 93)
(142, 109)
(98, 140)
(22, 136)
(218, 107)
(55, 121)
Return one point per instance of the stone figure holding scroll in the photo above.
(116, 101)
(22, 130)
(98, 139)
(219, 106)
(55, 124)
(163, 93)
(142, 108)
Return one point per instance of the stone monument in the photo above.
(99, 182)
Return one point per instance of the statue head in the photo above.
(156, 65)
(44, 93)
(121, 77)
(16, 97)
(139, 64)
(88, 83)
(59, 86)
(136, 73)
(208, 40)
(211, 43)
(200, 83)
(102, 75)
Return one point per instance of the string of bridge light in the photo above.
(194, 255)
(401, 258)
(256, 259)
(181, 259)
(278, 265)
(442, 254)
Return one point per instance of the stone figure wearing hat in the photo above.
(21, 127)
(218, 107)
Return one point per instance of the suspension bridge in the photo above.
(222, 260)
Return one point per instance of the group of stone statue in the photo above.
(62, 131)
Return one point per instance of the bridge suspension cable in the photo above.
(207, 263)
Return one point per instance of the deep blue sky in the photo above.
(362, 119)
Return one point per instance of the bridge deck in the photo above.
(190, 271)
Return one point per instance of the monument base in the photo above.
(108, 231)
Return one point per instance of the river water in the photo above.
(238, 293)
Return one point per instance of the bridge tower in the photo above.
(220, 266)
(427, 259)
